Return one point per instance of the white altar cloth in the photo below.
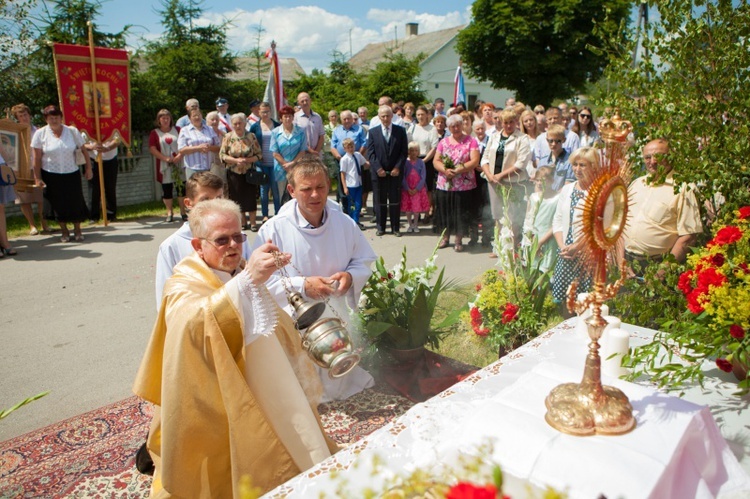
(675, 451)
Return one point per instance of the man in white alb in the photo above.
(331, 258)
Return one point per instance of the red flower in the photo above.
(685, 283)
(476, 322)
(744, 213)
(718, 259)
(478, 288)
(736, 331)
(465, 490)
(727, 235)
(693, 302)
(476, 314)
(510, 313)
(710, 277)
(724, 365)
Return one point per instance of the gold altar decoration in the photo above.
(588, 407)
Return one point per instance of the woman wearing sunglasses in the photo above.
(585, 128)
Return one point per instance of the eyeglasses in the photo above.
(222, 241)
(584, 116)
(656, 157)
(554, 141)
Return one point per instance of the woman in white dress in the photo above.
(55, 148)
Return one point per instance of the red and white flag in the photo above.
(274, 93)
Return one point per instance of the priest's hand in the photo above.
(342, 281)
(317, 287)
(264, 261)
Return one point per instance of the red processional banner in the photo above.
(75, 85)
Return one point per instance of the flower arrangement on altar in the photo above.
(716, 324)
(467, 477)
(397, 305)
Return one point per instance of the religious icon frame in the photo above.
(18, 136)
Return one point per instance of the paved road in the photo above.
(76, 317)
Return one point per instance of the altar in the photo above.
(677, 449)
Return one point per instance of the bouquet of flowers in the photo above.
(509, 311)
(716, 324)
(513, 303)
(397, 305)
(449, 165)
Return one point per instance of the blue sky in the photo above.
(309, 32)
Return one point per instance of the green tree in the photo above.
(396, 76)
(16, 31)
(540, 50)
(186, 61)
(340, 89)
(693, 90)
(31, 76)
(343, 88)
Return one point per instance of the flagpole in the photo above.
(95, 99)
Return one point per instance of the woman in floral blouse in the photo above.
(456, 182)
(239, 152)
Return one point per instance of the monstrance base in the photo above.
(575, 409)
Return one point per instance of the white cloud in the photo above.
(311, 34)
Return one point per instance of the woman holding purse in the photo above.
(239, 152)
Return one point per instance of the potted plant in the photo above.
(397, 306)
(716, 323)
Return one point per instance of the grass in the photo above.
(17, 225)
(462, 344)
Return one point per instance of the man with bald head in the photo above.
(662, 222)
(311, 123)
(386, 101)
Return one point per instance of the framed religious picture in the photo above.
(15, 149)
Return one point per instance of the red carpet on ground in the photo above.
(92, 455)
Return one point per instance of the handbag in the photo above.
(7, 175)
(256, 177)
(80, 160)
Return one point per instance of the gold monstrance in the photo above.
(588, 408)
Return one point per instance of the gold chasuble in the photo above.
(210, 428)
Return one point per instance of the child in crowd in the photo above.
(352, 165)
(538, 223)
(558, 158)
(414, 198)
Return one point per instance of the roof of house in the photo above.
(428, 44)
(290, 69)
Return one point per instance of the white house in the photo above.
(438, 68)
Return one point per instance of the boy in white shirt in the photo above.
(351, 166)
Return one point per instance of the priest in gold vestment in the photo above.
(235, 394)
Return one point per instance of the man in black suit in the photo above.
(386, 151)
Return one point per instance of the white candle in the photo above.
(617, 345)
(612, 324)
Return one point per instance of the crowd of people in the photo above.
(234, 392)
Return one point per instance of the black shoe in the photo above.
(143, 461)
(471, 243)
(396, 233)
(361, 227)
(380, 233)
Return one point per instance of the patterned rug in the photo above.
(92, 455)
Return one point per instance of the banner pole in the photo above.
(95, 99)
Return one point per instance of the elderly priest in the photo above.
(235, 393)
